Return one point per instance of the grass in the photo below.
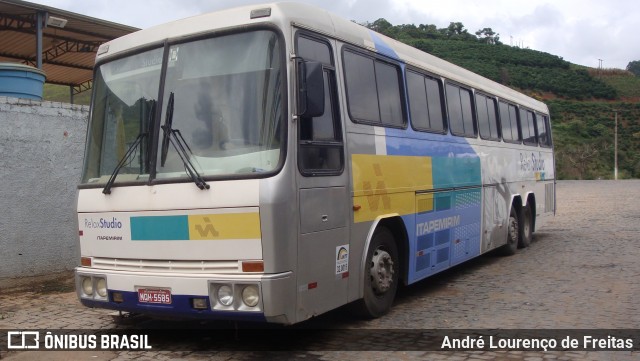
(625, 82)
(60, 93)
(628, 86)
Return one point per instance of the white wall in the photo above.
(41, 151)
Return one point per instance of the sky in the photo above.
(587, 32)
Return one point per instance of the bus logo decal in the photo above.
(437, 225)
(206, 230)
(196, 227)
(374, 199)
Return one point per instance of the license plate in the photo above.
(154, 295)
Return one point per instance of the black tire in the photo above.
(381, 274)
(526, 228)
(513, 232)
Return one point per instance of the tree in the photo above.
(457, 31)
(582, 158)
(488, 36)
(381, 25)
(429, 31)
(634, 67)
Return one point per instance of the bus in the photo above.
(273, 162)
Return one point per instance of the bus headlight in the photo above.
(101, 287)
(250, 296)
(225, 295)
(87, 286)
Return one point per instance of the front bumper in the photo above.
(276, 304)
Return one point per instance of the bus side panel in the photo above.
(418, 180)
(447, 219)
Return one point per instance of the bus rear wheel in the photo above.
(526, 228)
(513, 230)
(381, 274)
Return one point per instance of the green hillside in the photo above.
(519, 68)
(626, 84)
(584, 138)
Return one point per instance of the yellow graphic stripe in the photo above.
(384, 184)
(224, 226)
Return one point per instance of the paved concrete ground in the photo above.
(581, 272)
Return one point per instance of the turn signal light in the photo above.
(252, 266)
(85, 261)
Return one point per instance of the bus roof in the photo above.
(287, 14)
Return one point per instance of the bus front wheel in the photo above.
(381, 274)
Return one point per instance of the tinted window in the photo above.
(509, 121)
(313, 50)
(322, 127)
(418, 101)
(487, 117)
(362, 96)
(543, 130)
(434, 99)
(387, 81)
(527, 123)
(453, 108)
(321, 148)
(460, 111)
(373, 90)
(425, 102)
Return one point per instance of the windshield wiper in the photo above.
(176, 139)
(123, 161)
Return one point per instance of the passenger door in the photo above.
(323, 244)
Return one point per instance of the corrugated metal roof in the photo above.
(68, 53)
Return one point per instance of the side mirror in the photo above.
(310, 89)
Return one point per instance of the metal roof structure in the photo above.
(61, 43)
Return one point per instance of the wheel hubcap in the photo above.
(381, 271)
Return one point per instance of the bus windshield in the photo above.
(226, 99)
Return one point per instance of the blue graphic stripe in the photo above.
(160, 228)
(382, 47)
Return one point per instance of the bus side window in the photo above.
(320, 138)
(509, 121)
(425, 102)
(373, 90)
(487, 117)
(542, 126)
(527, 123)
(461, 120)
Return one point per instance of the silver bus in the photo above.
(274, 162)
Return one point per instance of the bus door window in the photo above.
(320, 138)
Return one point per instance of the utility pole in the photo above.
(615, 147)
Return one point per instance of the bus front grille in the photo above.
(171, 266)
